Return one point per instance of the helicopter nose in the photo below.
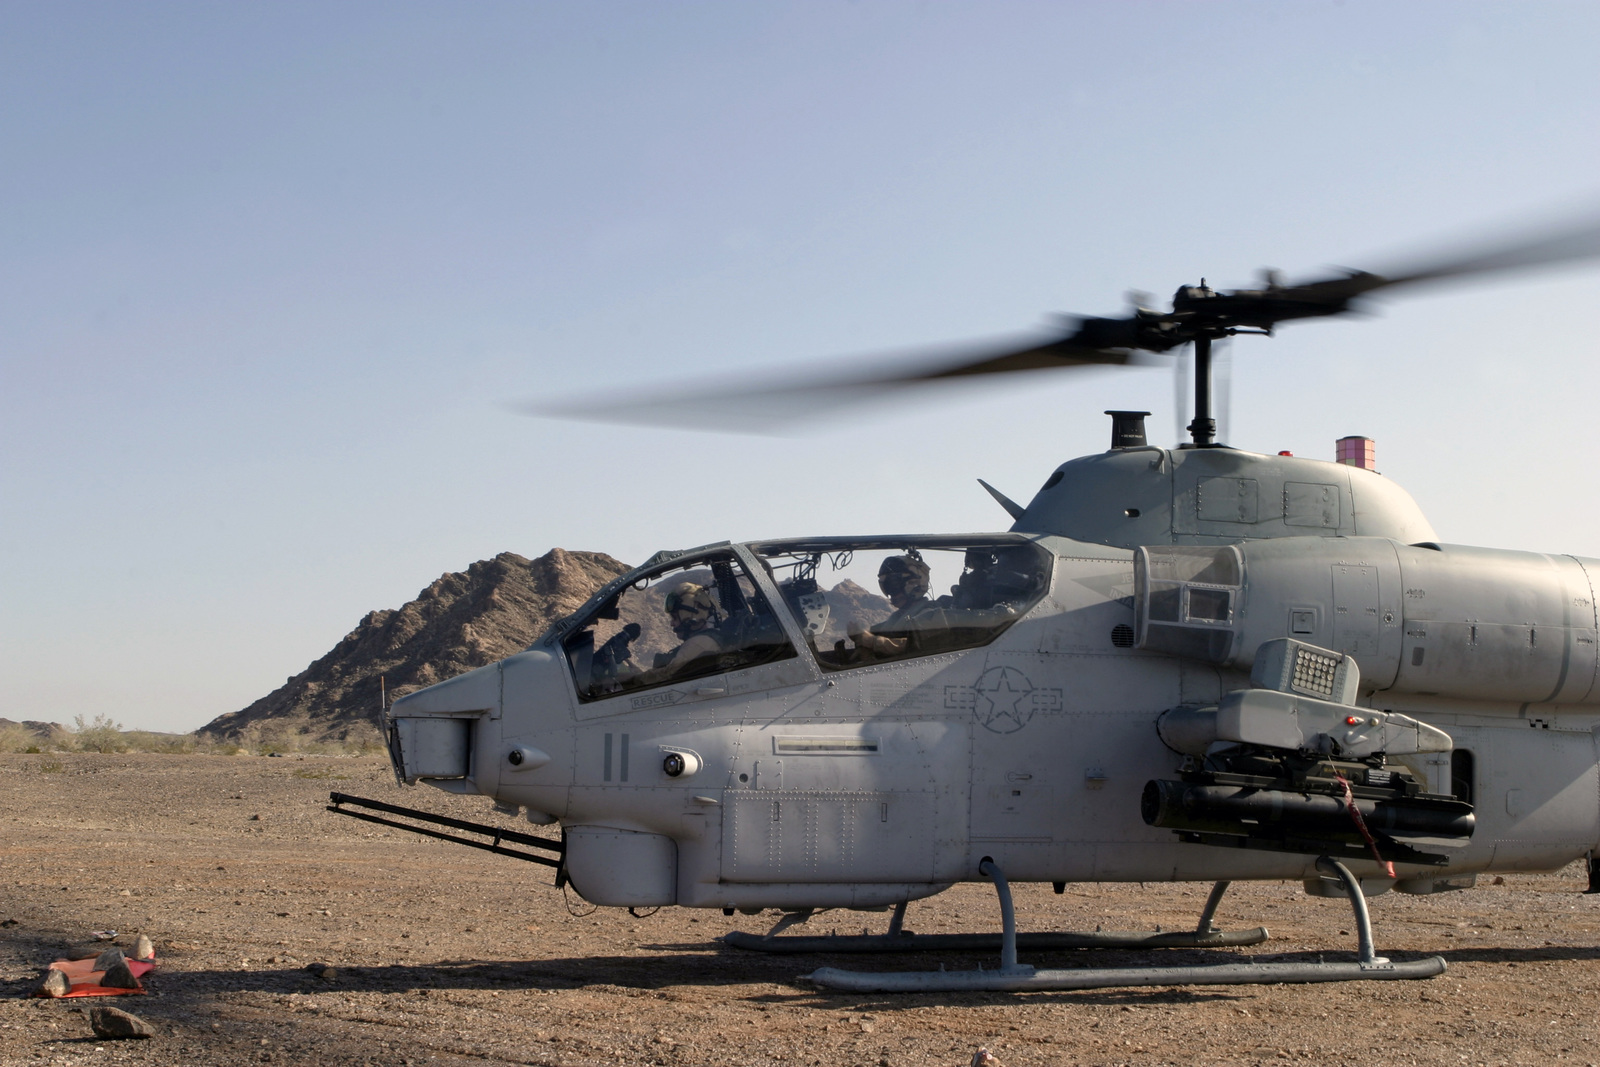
(536, 721)
(434, 732)
(490, 728)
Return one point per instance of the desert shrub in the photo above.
(279, 740)
(363, 739)
(15, 737)
(271, 739)
(306, 747)
(102, 735)
(168, 744)
(248, 739)
(296, 738)
(257, 739)
(212, 745)
(293, 737)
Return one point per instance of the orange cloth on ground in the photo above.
(86, 980)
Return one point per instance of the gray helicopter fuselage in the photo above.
(806, 780)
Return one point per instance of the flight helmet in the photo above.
(903, 576)
(691, 607)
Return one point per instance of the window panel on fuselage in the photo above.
(631, 642)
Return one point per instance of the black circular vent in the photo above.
(1122, 635)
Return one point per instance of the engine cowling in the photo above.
(1444, 620)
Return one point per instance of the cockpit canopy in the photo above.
(696, 616)
(864, 601)
(853, 601)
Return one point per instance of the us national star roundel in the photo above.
(1002, 700)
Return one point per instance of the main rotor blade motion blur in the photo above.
(1569, 243)
(1199, 316)
(788, 397)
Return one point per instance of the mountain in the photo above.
(847, 601)
(495, 608)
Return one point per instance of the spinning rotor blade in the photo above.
(1222, 387)
(1047, 356)
(1568, 244)
(1199, 316)
(776, 405)
(1565, 245)
(1182, 391)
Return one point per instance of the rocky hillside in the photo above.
(847, 601)
(461, 621)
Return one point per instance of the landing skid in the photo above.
(1016, 977)
(1204, 935)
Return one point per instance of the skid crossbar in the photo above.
(495, 833)
(1204, 935)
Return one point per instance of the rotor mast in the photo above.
(1199, 304)
(1203, 427)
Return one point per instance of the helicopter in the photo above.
(1195, 663)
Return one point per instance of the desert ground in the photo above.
(448, 956)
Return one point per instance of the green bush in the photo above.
(363, 739)
(15, 737)
(169, 744)
(102, 735)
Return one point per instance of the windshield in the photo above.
(687, 619)
(873, 600)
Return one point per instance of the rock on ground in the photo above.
(115, 1023)
(119, 976)
(53, 983)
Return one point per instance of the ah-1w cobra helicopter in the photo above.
(1195, 663)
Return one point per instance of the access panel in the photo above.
(834, 836)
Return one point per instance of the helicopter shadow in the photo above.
(702, 964)
(652, 972)
(1538, 954)
(191, 991)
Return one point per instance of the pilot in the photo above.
(996, 586)
(904, 580)
(693, 612)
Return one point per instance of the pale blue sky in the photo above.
(270, 276)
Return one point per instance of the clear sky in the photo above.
(273, 275)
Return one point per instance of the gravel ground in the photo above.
(444, 955)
